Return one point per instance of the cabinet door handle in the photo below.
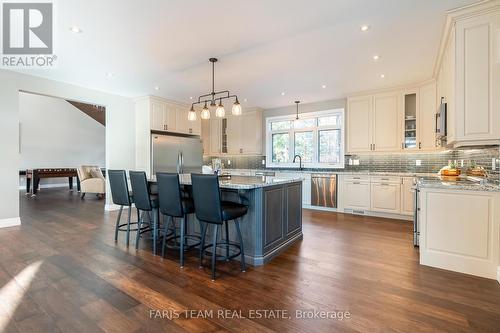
(402, 145)
(420, 145)
(241, 150)
(356, 183)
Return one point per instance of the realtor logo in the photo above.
(27, 29)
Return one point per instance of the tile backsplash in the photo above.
(393, 162)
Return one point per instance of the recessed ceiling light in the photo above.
(376, 57)
(382, 76)
(245, 100)
(283, 93)
(323, 86)
(75, 30)
(109, 74)
(190, 97)
(365, 27)
(157, 88)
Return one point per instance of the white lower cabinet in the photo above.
(459, 230)
(356, 194)
(407, 195)
(385, 197)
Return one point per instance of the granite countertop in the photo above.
(339, 172)
(243, 182)
(464, 184)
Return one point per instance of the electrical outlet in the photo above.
(418, 162)
(228, 162)
(493, 164)
(263, 162)
(356, 162)
(461, 163)
(350, 161)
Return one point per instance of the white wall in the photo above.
(54, 133)
(120, 131)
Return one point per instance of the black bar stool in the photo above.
(145, 202)
(210, 209)
(174, 205)
(122, 197)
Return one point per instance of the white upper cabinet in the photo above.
(162, 116)
(235, 135)
(250, 133)
(359, 128)
(477, 97)
(184, 125)
(386, 125)
(168, 116)
(427, 117)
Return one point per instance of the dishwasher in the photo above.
(324, 190)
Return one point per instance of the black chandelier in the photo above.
(212, 98)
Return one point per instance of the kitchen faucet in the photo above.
(300, 161)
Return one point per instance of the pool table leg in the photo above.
(28, 185)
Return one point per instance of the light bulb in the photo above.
(205, 112)
(192, 114)
(220, 112)
(236, 110)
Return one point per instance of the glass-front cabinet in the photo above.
(410, 126)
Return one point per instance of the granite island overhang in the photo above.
(273, 222)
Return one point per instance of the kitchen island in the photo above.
(274, 218)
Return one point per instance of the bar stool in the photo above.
(174, 205)
(122, 197)
(145, 202)
(209, 208)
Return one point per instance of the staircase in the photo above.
(96, 112)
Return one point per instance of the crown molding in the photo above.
(457, 14)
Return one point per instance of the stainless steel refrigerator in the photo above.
(172, 153)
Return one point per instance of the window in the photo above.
(318, 137)
(280, 148)
(329, 146)
(304, 145)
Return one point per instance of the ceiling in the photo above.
(264, 47)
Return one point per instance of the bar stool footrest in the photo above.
(222, 245)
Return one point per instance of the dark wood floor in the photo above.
(83, 282)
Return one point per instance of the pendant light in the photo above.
(236, 110)
(297, 114)
(212, 97)
(205, 112)
(192, 114)
(220, 112)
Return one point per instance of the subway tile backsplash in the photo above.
(393, 162)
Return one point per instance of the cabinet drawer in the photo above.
(386, 179)
(357, 178)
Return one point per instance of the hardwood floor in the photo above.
(69, 276)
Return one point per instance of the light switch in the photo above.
(418, 162)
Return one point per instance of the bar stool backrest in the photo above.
(119, 187)
(169, 194)
(139, 184)
(206, 197)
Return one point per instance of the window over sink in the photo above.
(318, 137)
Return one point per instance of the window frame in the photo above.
(291, 139)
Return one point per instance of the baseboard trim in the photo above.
(10, 222)
(48, 186)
